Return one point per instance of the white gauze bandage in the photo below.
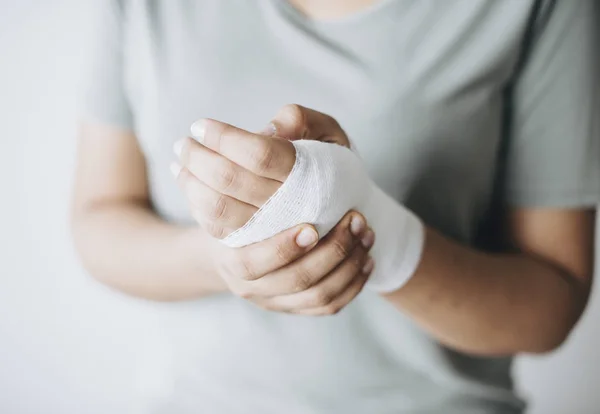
(326, 181)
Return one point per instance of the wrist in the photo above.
(399, 241)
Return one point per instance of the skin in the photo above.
(330, 9)
(526, 299)
(125, 245)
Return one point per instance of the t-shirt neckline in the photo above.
(360, 16)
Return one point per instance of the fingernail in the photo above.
(368, 267)
(357, 224)
(368, 240)
(306, 237)
(175, 169)
(178, 147)
(270, 130)
(198, 129)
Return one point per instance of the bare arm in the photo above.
(121, 241)
(526, 299)
(126, 246)
(494, 304)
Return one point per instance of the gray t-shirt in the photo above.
(454, 105)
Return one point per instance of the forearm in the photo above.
(490, 303)
(126, 246)
(482, 303)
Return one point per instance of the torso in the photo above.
(419, 88)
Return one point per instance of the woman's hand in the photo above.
(292, 273)
(230, 173)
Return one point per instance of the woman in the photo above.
(476, 118)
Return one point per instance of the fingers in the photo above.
(225, 176)
(217, 214)
(308, 270)
(258, 259)
(265, 156)
(341, 301)
(297, 122)
(288, 273)
(332, 293)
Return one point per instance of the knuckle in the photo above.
(225, 175)
(263, 157)
(246, 271)
(302, 280)
(215, 230)
(218, 209)
(283, 252)
(340, 248)
(322, 297)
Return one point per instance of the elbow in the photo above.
(82, 246)
(546, 344)
(87, 244)
(555, 325)
(539, 337)
(511, 344)
(558, 327)
(89, 226)
(538, 342)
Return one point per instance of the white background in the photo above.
(69, 345)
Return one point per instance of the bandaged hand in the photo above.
(304, 181)
(291, 272)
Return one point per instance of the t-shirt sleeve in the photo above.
(103, 98)
(553, 157)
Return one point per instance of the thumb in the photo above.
(294, 122)
(278, 251)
